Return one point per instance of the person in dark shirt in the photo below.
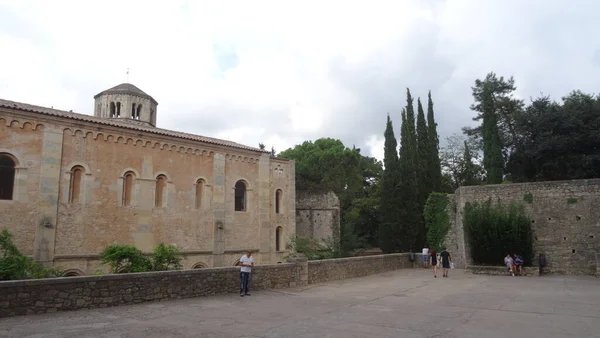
(446, 259)
(519, 264)
(434, 262)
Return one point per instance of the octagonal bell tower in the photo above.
(127, 103)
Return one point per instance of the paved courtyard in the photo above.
(404, 303)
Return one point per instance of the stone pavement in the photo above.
(404, 303)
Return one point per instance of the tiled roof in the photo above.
(127, 88)
(114, 122)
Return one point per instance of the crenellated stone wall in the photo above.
(565, 220)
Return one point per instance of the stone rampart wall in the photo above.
(72, 293)
(565, 221)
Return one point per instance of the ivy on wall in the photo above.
(494, 230)
(437, 219)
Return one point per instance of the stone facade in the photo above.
(63, 294)
(84, 182)
(318, 215)
(565, 218)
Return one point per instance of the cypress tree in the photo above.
(435, 166)
(493, 161)
(468, 168)
(423, 171)
(411, 215)
(389, 228)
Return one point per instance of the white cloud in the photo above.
(281, 73)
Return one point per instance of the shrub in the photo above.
(166, 257)
(310, 247)
(494, 230)
(436, 219)
(15, 265)
(125, 259)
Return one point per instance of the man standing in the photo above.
(246, 262)
(446, 259)
(425, 255)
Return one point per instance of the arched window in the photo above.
(118, 109)
(278, 196)
(138, 111)
(7, 176)
(133, 110)
(240, 196)
(199, 265)
(113, 110)
(199, 193)
(161, 184)
(278, 233)
(128, 187)
(75, 185)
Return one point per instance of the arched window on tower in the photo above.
(138, 111)
(278, 234)
(133, 111)
(113, 110)
(240, 196)
(161, 184)
(7, 176)
(199, 193)
(76, 183)
(278, 196)
(128, 181)
(118, 109)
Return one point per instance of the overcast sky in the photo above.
(277, 73)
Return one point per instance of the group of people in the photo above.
(433, 258)
(514, 264)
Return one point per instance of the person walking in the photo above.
(246, 263)
(425, 255)
(446, 259)
(434, 262)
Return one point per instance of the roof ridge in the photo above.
(116, 123)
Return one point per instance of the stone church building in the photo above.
(72, 184)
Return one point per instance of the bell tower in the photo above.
(127, 103)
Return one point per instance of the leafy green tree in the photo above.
(458, 171)
(166, 257)
(438, 221)
(434, 142)
(125, 259)
(423, 168)
(469, 169)
(14, 265)
(390, 202)
(364, 213)
(557, 141)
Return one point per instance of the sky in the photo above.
(283, 72)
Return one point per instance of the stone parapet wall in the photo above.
(335, 269)
(72, 293)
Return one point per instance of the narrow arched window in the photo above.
(118, 109)
(240, 196)
(278, 238)
(133, 110)
(128, 187)
(113, 110)
(199, 193)
(278, 196)
(161, 184)
(138, 111)
(75, 184)
(7, 176)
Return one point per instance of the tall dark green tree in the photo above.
(423, 168)
(493, 161)
(390, 203)
(469, 171)
(412, 218)
(435, 166)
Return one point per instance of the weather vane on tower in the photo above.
(127, 75)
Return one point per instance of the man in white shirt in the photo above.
(246, 262)
(425, 256)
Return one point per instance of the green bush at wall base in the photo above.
(436, 219)
(494, 230)
(528, 197)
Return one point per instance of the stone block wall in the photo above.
(565, 220)
(318, 215)
(72, 293)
